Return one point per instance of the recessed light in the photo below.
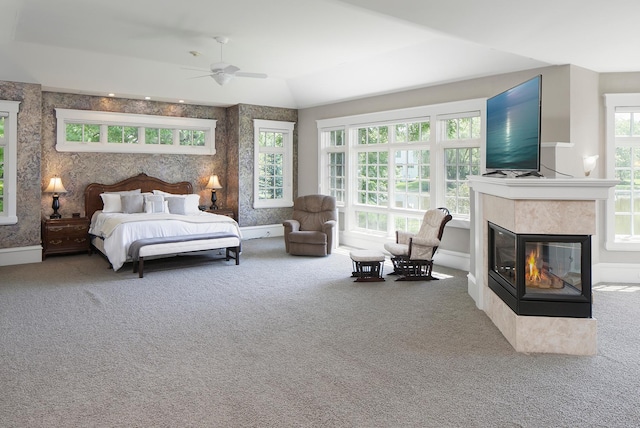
(112, 95)
(180, 101)
(147, 98)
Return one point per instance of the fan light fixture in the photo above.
(222, 78)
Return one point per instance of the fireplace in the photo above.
(541, 275)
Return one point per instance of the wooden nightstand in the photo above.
(65, 235)
(223, 211)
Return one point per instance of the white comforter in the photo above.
(120, 230)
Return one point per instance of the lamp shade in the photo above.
(589, 163)
(214, 183)
(55, 186)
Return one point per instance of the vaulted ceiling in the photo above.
(314, 52)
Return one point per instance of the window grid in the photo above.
(337, 176)
(459, 164)
(271, 179)
(273, 163)
(412, 179)
(372, 221)
(373, 178)
(627, 171)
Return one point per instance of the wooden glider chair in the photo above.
(412, 254)
(311, 230)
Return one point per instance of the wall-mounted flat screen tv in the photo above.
(513, 129)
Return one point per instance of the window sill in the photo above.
(460, 223)
(623, 246)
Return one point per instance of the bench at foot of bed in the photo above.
(170, 245)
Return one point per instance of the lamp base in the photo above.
(55, 215)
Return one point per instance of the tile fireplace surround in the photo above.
(533, 206)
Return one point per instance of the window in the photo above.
(273, 145)
(8, 161)
(623, 164)
(99, 131)
(460, 141)
(335, 169)
(387, 168)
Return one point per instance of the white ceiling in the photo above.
(315, 51)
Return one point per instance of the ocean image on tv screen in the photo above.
(513, 126)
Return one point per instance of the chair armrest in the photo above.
(422, 248)
(327, 228)
(403, 237)
(291, 225)
(426, 242)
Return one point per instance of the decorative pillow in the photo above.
(177, 205)
(192, 201)
(132, 203)
(153, 204)
(111, 200)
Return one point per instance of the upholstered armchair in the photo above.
(412, 254)
(312, 229)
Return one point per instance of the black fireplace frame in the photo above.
(531, 304)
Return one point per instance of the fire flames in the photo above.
(536, 276)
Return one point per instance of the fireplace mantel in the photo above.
(535, 206)
(568, 189)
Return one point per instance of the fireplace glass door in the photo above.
(543, 275)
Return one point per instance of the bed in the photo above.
(130, 232)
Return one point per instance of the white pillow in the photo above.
(111, 200)
(111, 203)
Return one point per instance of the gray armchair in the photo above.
(312, 229)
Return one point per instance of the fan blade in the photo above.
(224, 67)
(198, 77)
(195, 69)
(254, 75)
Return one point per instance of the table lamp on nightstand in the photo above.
(55, 186)
(214, 184)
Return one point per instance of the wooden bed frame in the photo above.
(93, 202)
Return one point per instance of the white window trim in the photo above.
(286, 128)
(10, 144)
(140, 121)
(430, 112)
(611, 101)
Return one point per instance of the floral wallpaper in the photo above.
(27, 231)
(38, 159)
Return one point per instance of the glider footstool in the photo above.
(367, 265)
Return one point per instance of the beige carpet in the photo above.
(283, 341)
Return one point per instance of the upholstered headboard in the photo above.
(93, 201)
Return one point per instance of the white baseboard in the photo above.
(452, 259)
(20, 255)
(264, 231)
(616, 272)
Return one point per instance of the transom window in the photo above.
(97, 131)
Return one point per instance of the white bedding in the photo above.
(120, 230)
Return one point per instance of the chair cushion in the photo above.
(308, 237)
(397, 249)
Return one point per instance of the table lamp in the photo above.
(214, 184)
(56, 187)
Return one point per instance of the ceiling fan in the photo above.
(222, 72)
